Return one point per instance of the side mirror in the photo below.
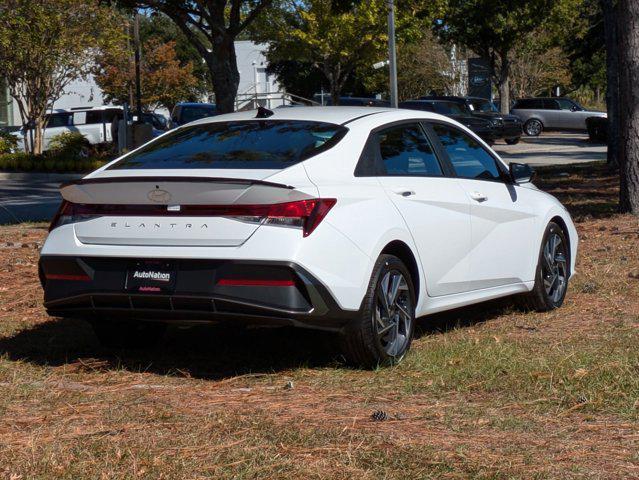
(574, 108)
(521, 172)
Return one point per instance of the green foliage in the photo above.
(8, 142)
(69, 145)
(45, 45)
(27, 162)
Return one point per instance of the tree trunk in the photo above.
(504, 84)
(38, 136)
(612, 79)
(225, 77)
(628, 32)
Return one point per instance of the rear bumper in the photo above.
(95, 287)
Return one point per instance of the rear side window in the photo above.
(59, 120)
(551, 104)
(529, 103)
(468, 157)
(255, 144)
(406, 151)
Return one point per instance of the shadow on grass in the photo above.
(588, 190)
(212, 351)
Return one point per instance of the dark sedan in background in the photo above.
(486, 129)
(508, 127)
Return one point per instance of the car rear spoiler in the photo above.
(176, 191)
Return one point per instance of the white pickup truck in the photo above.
(92, 122)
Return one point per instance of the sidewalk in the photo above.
(30, 197)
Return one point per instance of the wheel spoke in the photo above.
(393, 288)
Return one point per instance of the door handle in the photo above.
(403, 191)
(478, 197)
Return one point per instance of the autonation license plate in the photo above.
(151, 276)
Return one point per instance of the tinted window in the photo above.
(565, 104)
(192, 113)
(59, 120)
(529, 103)
(94, 116)
(482, 105)
(417, 106)
(468, 157)
(551, 105)
(405, 150)
(258, 144)
(450, 108)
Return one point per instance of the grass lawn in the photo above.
(487, 392)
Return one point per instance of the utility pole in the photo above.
(392, 57)
(138, 87)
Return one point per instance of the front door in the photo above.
(434, 206)
(502, 219)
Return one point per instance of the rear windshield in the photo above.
(449, 108)
(192, 113)
(257, 144)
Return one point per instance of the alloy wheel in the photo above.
(393, 318)
(554, 268)
(533, 128)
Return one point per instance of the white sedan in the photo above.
(353, 220)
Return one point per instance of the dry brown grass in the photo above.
(487, 392)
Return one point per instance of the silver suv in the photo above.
(558, 113)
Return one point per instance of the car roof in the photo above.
(194, 104)
(335, 115)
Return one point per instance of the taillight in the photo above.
(304, 214)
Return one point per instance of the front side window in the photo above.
(483, 106)
(406, 151)
(468, 157)
(253, 144)
(566, 104)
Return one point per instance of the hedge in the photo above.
(25, 162)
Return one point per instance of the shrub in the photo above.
(26, 162)
(8, 142)
(69, 144)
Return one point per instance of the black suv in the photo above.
(486, 129)
(508, 127)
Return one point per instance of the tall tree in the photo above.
(46, 45)
(211, 26)
(164, 80)
(493, 28)
(610, 11)
(628, 48)
(335, 42)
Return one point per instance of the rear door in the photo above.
(554, 118)
(434, 206)
(502, 220)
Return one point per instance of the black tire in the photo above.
(539, 298)
(362, 341)
(513, 141)
(533, 127)
(128, 333)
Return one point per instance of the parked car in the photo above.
(187, 112)
(352, 101)
(508, 127)
(552, 113)
(486, 129)
(597, 129)
(92, 122)
(346, 219)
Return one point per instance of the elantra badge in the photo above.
(159, 196)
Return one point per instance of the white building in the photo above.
(251, 64)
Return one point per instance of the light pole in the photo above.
(392, 57)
